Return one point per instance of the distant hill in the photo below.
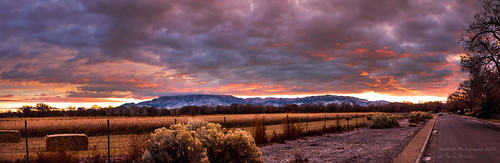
(214, 100)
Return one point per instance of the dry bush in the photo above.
(136, 147)
(54, 157)
(95, 156)
(292, 131)
(199, 141)
(298, 158)
(176, 144)
(212, 138)
(227, 146)
(239, 147)
(418, 116)
(277, 138)
(384, 121)
(259, 131)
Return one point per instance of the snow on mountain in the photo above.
(214, 100)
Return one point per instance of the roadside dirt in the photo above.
(363, 145)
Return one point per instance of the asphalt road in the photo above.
(463, 139)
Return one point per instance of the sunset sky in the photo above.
(108, 52)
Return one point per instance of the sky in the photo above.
(88, 52)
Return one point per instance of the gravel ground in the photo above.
(363, 145)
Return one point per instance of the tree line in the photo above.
(44, 110)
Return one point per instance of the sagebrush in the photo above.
(384, 121)
(418, 116)
(199, 141)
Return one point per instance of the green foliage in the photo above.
(418, 116)
(199, 141)
(384, 121)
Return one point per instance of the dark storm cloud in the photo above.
(7, 96)
(304, 46)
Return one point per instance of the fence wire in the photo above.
(126, 133)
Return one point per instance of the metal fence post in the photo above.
(287, 126)
(363, 118)
(324, 125)
(347, 120)
(356, 116)
(287, 119)
(109, 149)
(175, 121)
(26, 135)
(307, 124)
(338, 123)
(225, 125)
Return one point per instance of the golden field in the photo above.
(93, 126)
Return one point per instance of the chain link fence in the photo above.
(121, 139)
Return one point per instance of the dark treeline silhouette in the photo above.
(44, 110)
(480, 92)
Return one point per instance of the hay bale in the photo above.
(10, 136)
(67, 142)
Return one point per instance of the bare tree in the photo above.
(481, 91)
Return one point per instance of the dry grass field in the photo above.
(94, 126)
(122, 128)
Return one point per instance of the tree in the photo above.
(43, 109)
(481, 91)
(26, 110)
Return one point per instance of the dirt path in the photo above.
(363, 145)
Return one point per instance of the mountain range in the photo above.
(179, 101)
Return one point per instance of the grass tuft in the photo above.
(54, 157)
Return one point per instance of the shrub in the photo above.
(136, 147)
(176, 144)
(278, 138)
(292, 131)
(384, 121)
(201, 142)
(259, 131)
(95, 156)
(298, 157)
(240, 147)
(418, 116)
